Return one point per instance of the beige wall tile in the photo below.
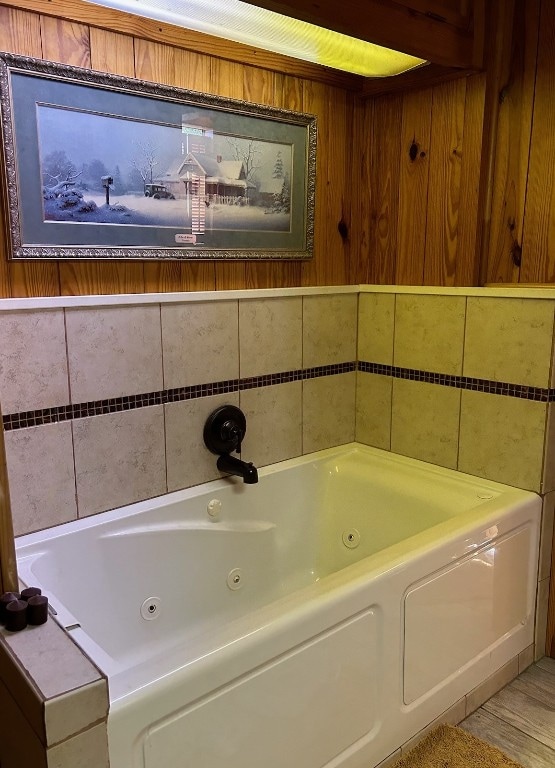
(119, 458)
(76, 710)
(540, 632)
(429, 332)
(376, 315)
(501, 438)
(274, 423)
(41, 476)
(425, 421)
(189, 460)
(270, 335)
(87, 750)
(328, 411)
(546, 538)
(25, 694)
(486, 689)
(200, 343)
(33, 360)
(373, 409)
(113, 351)
(51, 659)
(509, 340)
(329, 329)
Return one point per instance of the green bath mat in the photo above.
(450, 747)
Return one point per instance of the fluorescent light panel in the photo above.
(245, 23)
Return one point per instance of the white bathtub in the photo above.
(319, 618)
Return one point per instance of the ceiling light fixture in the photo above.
(248, 24)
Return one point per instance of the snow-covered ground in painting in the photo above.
(140, 210)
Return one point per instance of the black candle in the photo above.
(37, 609)
(30, 592)
(6, 598)
(16, 615)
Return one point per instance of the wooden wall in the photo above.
(415, 199)
(416, 216)
(53, 38)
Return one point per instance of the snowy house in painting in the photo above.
(219, 181)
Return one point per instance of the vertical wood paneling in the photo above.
(65, 42)
(467, 265)
(512, 149)
(444, 183)
(413, 187)
(385, 164)
(538, 247)
(361, 191)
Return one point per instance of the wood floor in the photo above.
(520, 719)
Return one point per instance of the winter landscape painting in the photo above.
(146, 174)
(99, 166)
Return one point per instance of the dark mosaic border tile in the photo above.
(130, 402)
(522, 391)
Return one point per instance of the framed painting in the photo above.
(98, 166)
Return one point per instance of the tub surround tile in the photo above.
(328, 411)
(376, 315)
(501, 438)
(189, 461)
(119, 459)
(21, 686)
(509, 340)
(329, 329)
(114, 352)
(425, 422)
(74, 711)
(200, 343)
(51, 659)
(33, 361)
(89, 749)
(41, 476)
(429, 332)
(546, 537)
(491, 685)
(274, 423)
(373, 410)
(270, 335)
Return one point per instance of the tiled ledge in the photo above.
(61, 302)
(54, 698)
(502, 292)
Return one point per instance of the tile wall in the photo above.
(105, 405)
(465, 382)
(460, 381)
